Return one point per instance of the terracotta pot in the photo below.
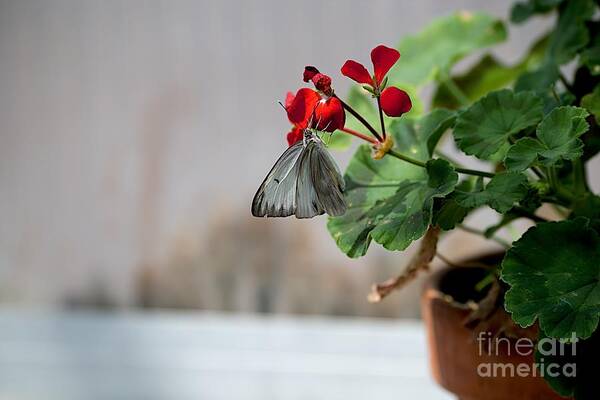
(455, 353)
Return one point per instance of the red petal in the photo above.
(289, 98)
(383, 59)
(295, 135)
(357, 72)
(302, 107)
(395, 102)
(309, 72)
(329, 115)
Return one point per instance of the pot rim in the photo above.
(431, 286)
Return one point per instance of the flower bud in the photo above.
(309, 72)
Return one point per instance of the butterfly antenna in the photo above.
(282, 106)
(330, 133)
(312, 116)
(310, 120)
(318, 124)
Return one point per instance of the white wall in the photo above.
(124, 122)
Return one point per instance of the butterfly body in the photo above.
(305, 182)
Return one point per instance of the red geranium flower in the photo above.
(309, 110)
(394, 101)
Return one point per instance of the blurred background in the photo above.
(133, 135)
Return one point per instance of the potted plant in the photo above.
(521, 324)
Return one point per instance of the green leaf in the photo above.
(591, 102)
(447, 213)
(435, 124)
(505, 220)
(570, 34)
(568, 38)
(389, 200)
(486, 126)
(522, 11)
(558, 132)
(565, 98)
(487, 75)
(522, 154)
(590, 57)
(501, 193)
(588, 206)
(557, 139)
(540, 80)
(450, 214)
(570, 368)
(554, 273)
(443, 43)
(403, 218)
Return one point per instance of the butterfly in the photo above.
(305, 182)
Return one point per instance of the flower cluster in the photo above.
(393, 101)
(323, 110)
(310, 109)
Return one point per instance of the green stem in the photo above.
(445, 156)
(579, 177)
(522, 212)
(407, 159)
(555, 200)
(557, 190)
(551, 173)
(556, 96)
(565, 82)
(533, 168)
(481, 233)
(424, 165)
(462, 264)
(538, 173)
(474, 172)
(456, 91)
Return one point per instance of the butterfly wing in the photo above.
(276, 196)
(328, 181)
(320, 184)
(307, 201)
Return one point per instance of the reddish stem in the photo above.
(360, 135)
